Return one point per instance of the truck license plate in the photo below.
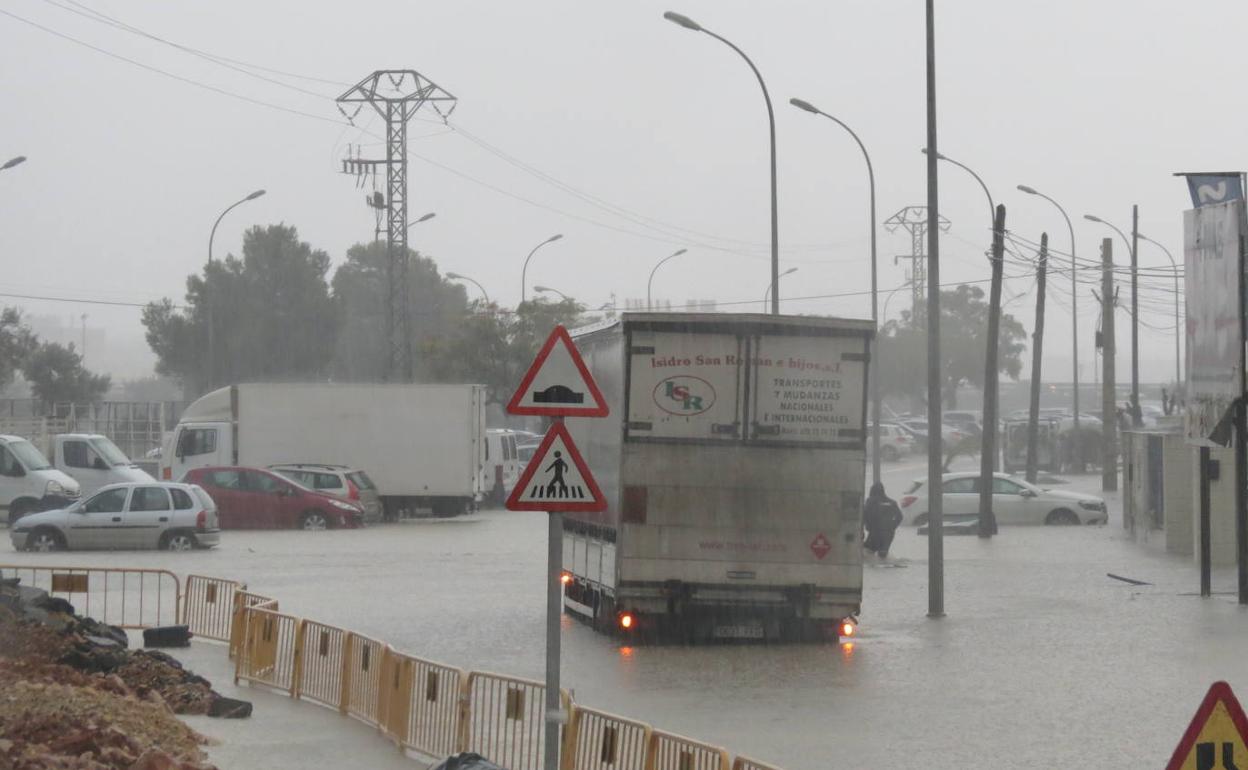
(739, 632)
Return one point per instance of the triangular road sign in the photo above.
(558, 383)
(556, 479)
(1218, 735)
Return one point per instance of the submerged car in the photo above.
(1014, 501)
(256, 498)
(132, 515)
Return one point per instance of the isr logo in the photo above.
(684, 395)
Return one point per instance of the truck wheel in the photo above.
(178, 541)
(44, 540)
(313, 521)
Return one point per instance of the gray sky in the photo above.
(1093, 103)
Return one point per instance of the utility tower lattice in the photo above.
(914, 220)
(396, 95)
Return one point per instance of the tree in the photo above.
(963, 326)
(436, 307)
(17, 342)
(494, 347)
(273, 317)
(56, 374)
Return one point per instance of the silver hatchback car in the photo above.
(347, 483)
(154, 514)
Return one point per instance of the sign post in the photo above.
(556, 480)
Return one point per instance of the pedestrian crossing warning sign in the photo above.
(556, 479)
(1217, 738)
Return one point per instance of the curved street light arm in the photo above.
(650, 280)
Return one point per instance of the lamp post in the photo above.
(875, 297)
(690, 24)
(992, 207)
(10, 163)
(771, 287)
(425, 218)
(650, 282)
(1074, 318)
(1178, 327)
(545, 289)
(1136, 419)
(525, 271)
(458, 277)
(210, 299)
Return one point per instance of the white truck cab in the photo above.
(28, 482)
(94, 461)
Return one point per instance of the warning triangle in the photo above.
(1217, 736)
(556, 479)
(558, 383)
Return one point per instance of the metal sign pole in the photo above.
(554, 610)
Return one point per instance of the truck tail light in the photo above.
(908, 500)
(627, 620)
(565, 578)
(201, 521)
(848, 629)
(166, 473)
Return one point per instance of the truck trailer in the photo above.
(733, 464)
(422, 445)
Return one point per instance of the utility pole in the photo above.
(396, 95)
(1109, 411)
(988, 449)
(1137, 417)
(914, 220)
(1037, 349)
(935, 468)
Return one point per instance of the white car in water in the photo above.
(172, 517)
(1014, 501)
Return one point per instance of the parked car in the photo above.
(29, 483)
(341, 481)
(918, 428)
(256, 498)
(1014, 501)
(895, 441)
(967, 422)
(153, 514)
(501, 469)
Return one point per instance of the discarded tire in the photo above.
(467, 761)
(229, 708)
(167, 636)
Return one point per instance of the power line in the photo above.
(77, 300)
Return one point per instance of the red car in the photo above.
(254, 498)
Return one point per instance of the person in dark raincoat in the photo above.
(881, 517)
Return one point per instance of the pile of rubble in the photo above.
(73, 696)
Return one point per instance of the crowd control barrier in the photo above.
(420, 705)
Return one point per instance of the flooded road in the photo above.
(1041, 661)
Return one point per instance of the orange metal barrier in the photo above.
(269, 653)
(129, 598)
(361, 678)
(425, 702)
(506, 721)
(208, 606)
(596, 740)
(743, 763)
(675, 752)
(244, 600)
(321, 663)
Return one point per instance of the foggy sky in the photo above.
(1095, 104)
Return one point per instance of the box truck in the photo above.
(733, 464)
(422, 445)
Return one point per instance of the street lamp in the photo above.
(992, 207)
(207, 279)
(545, 289)
(690, 24)
(772, 286)
(650, 282)
(1136, 417)
(458, 277)
(20, 159)
(425, 218)
(1074, 317)
(875, 297)
(1178, 328)
(525, 271)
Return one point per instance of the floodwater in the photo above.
(1040, 661)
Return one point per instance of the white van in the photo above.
(502, 465)
(94, 461)
(28, 482)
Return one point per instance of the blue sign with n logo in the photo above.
(1219, 187)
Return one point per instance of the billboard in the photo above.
(1215, 350)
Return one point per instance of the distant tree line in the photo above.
(279, 315)
(54, 371)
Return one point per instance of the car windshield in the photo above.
(30, 457)
(361, 480)
(109, 452)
